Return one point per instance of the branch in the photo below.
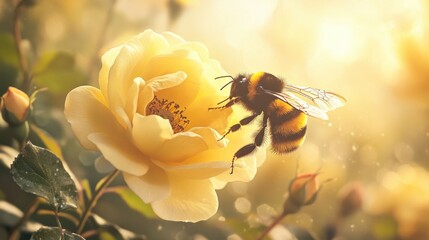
(17, 36)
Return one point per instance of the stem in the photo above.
(89, 233)
(98, 193)
(272, 225)
(93, 66)
(22, 59)
(27, 214)
(57, 219)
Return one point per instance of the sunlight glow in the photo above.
(337, 38)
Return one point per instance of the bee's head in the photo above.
(238, 85)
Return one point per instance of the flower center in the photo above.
(168, 110)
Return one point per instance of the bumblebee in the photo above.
(284, 106)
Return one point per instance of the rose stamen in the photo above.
(169, 110)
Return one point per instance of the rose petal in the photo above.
(107, 61)
(183, 60)
(244, 168)
(150, 132)
(129, 64)
(146, 95)
(173, 39)
(132, 101)
(216, 119)
(189, 201)
(218, 184)
(120, 80)
(167, 80)
(202, 50)
(120, 153)
(153, 136)
(202, 170)
(156, 84)
(152, 186)
(212, 137)
(84, 107)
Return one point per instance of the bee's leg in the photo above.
(227, 105)
(249, 148)
(238, 125)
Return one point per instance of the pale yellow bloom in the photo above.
(17, 103)
(150, 120)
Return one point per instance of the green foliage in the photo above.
(38, 171)
(57, 71)
(54, 233)
(133, 201)
(48, 141)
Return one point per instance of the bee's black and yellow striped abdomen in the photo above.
(287, 125)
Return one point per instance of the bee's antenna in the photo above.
(226, 85)
(224, 100)
(223, 77)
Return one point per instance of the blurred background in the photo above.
(374, 53)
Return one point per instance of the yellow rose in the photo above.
(15, 106)
(150, 120)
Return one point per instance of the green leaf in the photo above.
(54, 233)
(52, 145)
(133, 201)
(47, 140)
(87, 188)
(37, 170)
(57, 71)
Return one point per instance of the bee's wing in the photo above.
(323, 101)
(327, 101)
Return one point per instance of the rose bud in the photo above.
(350, 199)
(302, 191)
(15, 106)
